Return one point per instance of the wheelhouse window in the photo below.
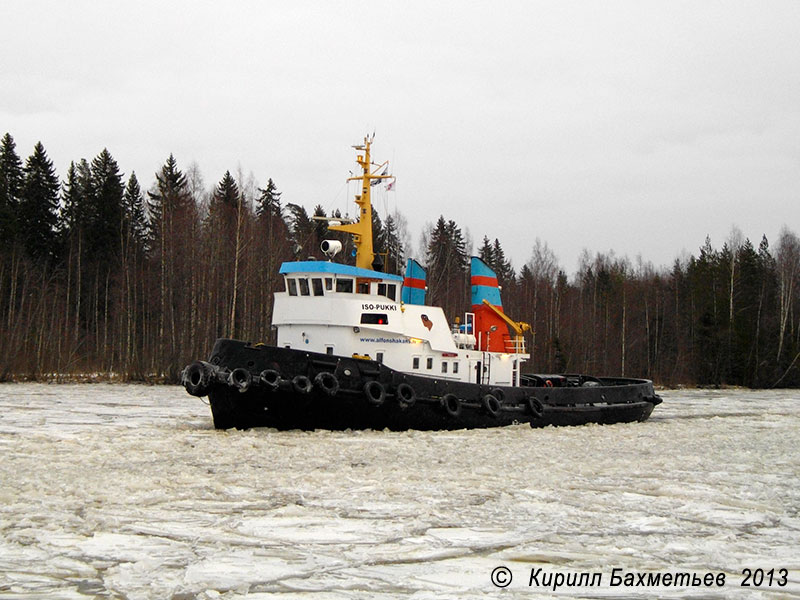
(455, 367)
(328, 284)
(291, 286)
(344, 285)
(374, 319)
(429, 363)
(388, 289)
(362, 286)
(304, 291)
(316, 286)
(415, 362)
(444, 366)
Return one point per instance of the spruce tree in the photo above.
(269, 217)
(103, 237)
(226, 199)
(76, 199)
(486, 252)
(270, 247)
(302, 229)
(268, 203)
(708, 300)
(70, 199)
(446, 262)
(169, 196)
(492, 254)
(391, 247)
(501, 266)
(745, 323)
(11, 180)
(134, 221)
(37, 214)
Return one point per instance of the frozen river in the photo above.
(126, 491)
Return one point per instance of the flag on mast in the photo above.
(379, 181)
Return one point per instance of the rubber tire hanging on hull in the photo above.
(302, 384)
(241, 379)
(452, 405)
(327, 382)
(197, 378)
(406, 396)
(491, 405)
(534, 407)
(270, 379)
(375, 392)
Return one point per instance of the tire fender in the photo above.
(327, 382)
(375, 392)
(241, 379)
(197, 378)
(302, 384)
(534, 407)
(451, 404)
(270, 379)
(491, 405)
(498, 393)
(406, 396)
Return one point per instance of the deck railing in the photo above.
(515, 345)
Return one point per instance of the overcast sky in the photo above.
(639, 127)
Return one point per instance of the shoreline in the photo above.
(98, 378)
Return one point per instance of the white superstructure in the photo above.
(344, 310)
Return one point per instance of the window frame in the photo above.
(344, 285)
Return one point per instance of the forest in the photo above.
(101, 279)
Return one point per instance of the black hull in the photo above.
(291, 394)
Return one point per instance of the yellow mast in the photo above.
(362, 229)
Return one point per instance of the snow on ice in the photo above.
(127, 491)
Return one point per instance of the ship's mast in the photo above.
(362, 229)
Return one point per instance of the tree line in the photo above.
(728, 316)
(99, 276)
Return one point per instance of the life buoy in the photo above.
(270, 379)
(534, 406)
(197, 377)
(451, 404)
(491, 405)
(327, 382)
(241, 379)
(302, 384)
(406, 395)
(374, 392)
(548, 383)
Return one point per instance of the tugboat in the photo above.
(358, 348)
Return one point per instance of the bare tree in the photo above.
(787, 258)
